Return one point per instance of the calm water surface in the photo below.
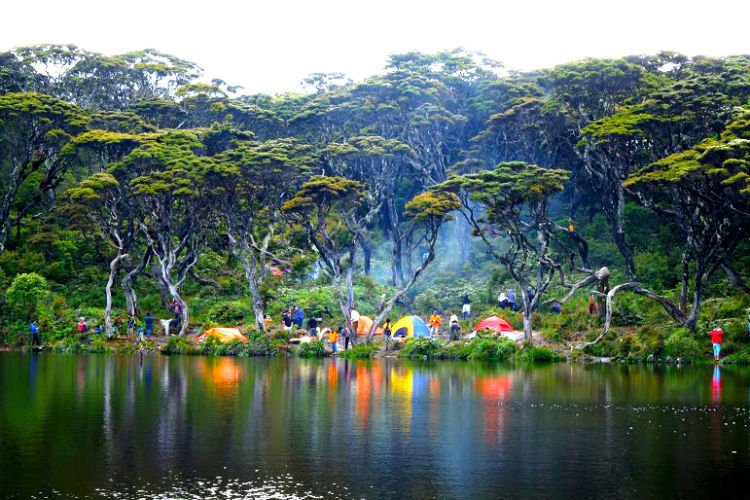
(194, 427)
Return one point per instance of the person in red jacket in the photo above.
(716, 336)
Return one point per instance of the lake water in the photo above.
(195, 427)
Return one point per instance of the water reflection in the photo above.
(145, 425)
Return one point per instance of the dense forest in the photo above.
(128, 183)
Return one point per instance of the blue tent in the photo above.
(410, 327)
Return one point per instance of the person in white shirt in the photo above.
(455, 327)
(354, 316)
(502, 300)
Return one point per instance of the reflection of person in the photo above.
(716, 337)
(716, 385)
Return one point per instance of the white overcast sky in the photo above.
(269, 46)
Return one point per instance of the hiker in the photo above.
(435, 321)
(387, 331)
(286, 320)
(117, 325)
(592, 304)
(716, 336)
(512, 299)
(502, 300)
(354, 316)
(82, 327)
(149, 320)
(99, 329)
(333, 338)
(556, 308)
(466, 309)
(267, 321)
(34, 328)
(312, 326)
(347, 334)
(177, 309)
(455, 327)
(299, 316)
(131, 327)
(139, 336)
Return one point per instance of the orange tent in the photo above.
(364, 324)
(223, 334)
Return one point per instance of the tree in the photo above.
(176, 207)
(334, 211)
(251, 181)
(511, 204)
(26, 291)
(35, 128)
(705, 192)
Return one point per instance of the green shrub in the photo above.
(360, 351)
(492, 349)
(25, 293)
(98, 345)
(178, 345)
(421, 348)
(315, 349)
(69, 345)
(230, 313)
(682, 344)
(738, 358)
(537, 354)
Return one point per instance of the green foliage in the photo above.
(537, 354)
(230, 313)
(683, 344)
(315, 349)
(422, 348)
(492, 349)
(26, 291)
(360, 351)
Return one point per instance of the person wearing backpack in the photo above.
(34, 328)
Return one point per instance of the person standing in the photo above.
(131, 327)
(502, 300)
(149, 320)
(34, 328)
(387, 332)
(716, 337)
(512, 299)
(435, 321)
(354, 316)
(592, 305)
(312, 326)
(455, 327)
(117, 325)
(333, 338)
(466, 309)
(347, 334)
(299, 317)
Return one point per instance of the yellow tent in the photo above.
(223, 334)
(410, 327)
(364, 324)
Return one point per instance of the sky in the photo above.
(270, 46)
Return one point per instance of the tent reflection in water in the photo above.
(223, 334)
(495, 324)
(410, 327)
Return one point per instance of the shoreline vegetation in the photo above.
(605, 199)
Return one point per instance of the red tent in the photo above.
(495, 324)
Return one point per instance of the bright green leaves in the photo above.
(432, 206)
(321, 190)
